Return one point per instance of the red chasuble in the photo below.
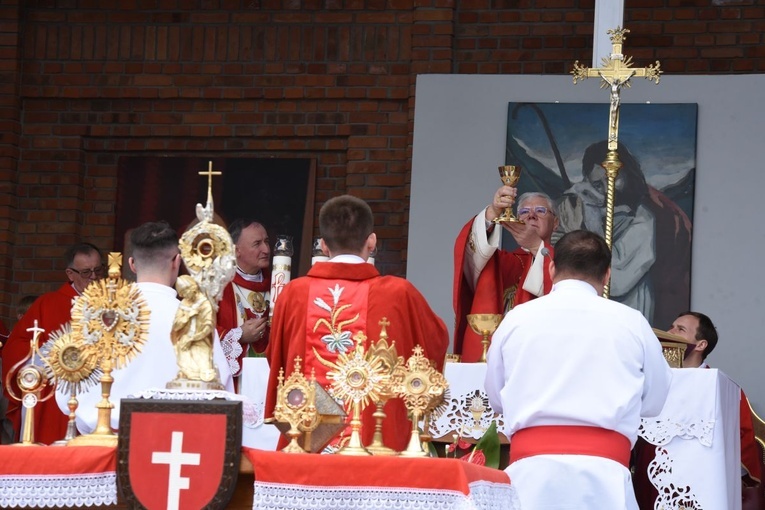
(500, 281)
(52, 310)
(228, 314)
(326, 308)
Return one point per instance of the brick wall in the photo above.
(82, 84)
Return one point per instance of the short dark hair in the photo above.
(79, 249)
(345, 223)
(152, 241)
(583, 254)
(239, 224)
(706, 331)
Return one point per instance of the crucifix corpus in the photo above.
(615, 73)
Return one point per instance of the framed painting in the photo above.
(560, 148)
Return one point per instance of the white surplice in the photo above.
(574, 358)
(154, 367)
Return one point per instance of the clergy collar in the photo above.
(257, 277)
(347, 258)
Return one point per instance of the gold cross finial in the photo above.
(209, 173)
(360, 338)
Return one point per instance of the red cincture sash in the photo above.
(570, 440)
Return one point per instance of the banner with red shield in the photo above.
(175, 454)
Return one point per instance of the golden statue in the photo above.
(192, 335)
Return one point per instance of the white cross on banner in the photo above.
(175, 459)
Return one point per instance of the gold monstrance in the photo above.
(208, 253)
(74, 367)
(112, 319)
(390, 359)
(419, 384)
(615, 74)
(356, 379)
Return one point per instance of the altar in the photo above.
(699, 426)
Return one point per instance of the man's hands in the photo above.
(253, 330)
(525, 235)
(503, 198)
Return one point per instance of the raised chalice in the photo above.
(484, 324)
(510, 174)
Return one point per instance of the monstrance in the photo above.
(390, 359)
(74, 367)
(112, 319)
(356, 379)
(418, 383)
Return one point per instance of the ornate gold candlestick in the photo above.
(419, 384)
(112, 319)
(510, 176)
(32, 382)
(484, 324)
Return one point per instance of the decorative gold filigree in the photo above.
(387, 355)
(72, 363)
(356, 379)
(111, 318)
(296, 404)
(419, 384)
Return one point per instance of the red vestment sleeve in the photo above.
(750, 453)
(503, 271)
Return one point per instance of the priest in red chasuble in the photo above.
(338, 298)
(51, 311)
(243, 310)
(488, 279)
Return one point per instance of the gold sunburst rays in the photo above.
(112, 309)
(69, 361)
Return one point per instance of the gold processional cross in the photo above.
(615, 74)
(209, 173)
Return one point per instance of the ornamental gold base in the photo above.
(188, 384)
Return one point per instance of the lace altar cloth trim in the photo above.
(483, 496)
(468, 412)
(661, 432)
(48, 491)
(252, 413)
(671, 495)
(232, 349)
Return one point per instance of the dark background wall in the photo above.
(82, 84)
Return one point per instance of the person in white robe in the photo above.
(156, 260)
(572, 374)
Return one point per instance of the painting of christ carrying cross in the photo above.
(561, 146)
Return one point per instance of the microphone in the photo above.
(544, 251)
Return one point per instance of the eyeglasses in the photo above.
(539, 210)
(87, 273)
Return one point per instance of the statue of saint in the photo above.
(192, 333)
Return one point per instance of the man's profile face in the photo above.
(685, 326)
(253, 251)
(85, 268)
(544, 225)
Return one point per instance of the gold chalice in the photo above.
(484, 324)
(510, 174)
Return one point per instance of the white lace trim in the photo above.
(232, 349)
(39, 491)
(252, 413)
(671, 495)
(470, 413)
(483, 495)
(661, 432)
